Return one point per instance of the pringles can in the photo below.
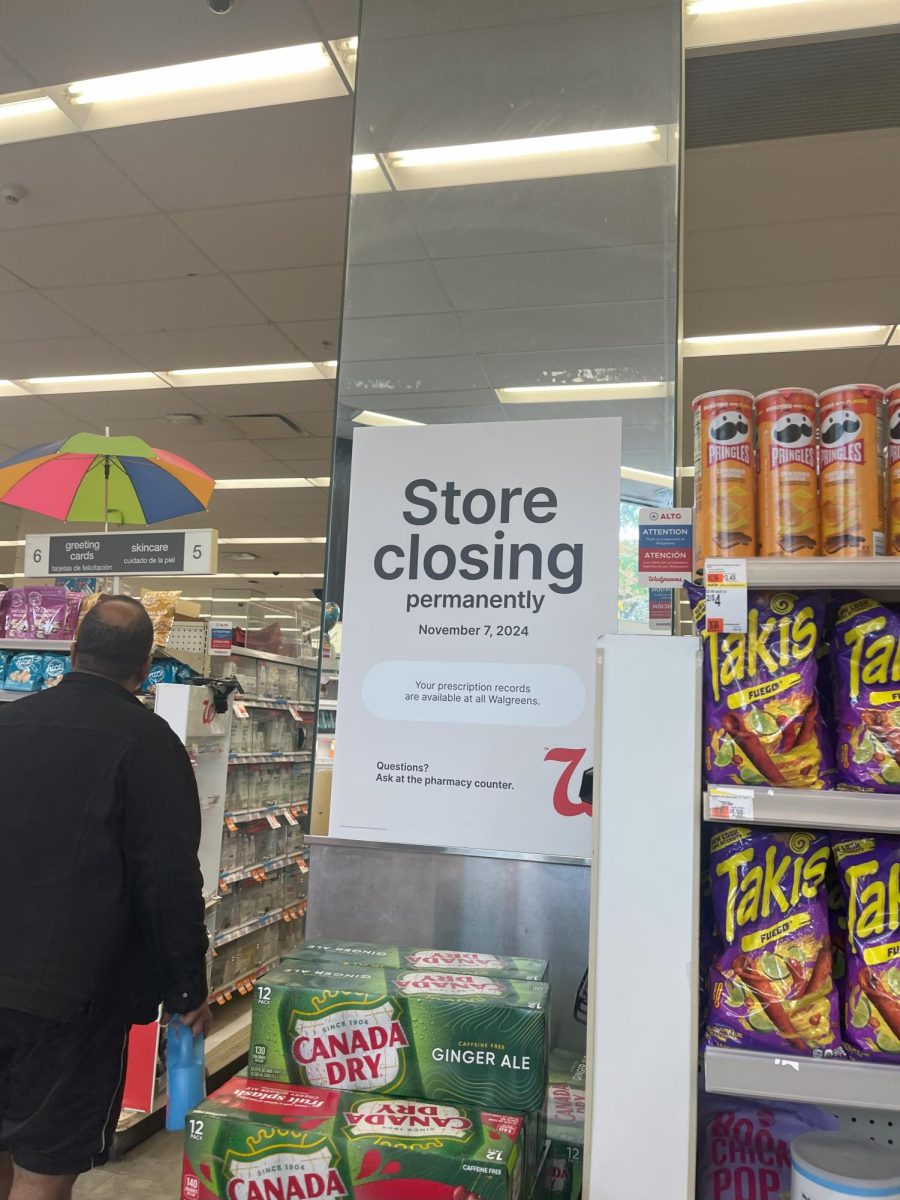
(787, 486)
(892, 408)
(851, 470)
(724, 478)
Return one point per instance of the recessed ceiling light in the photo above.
(565, 393)
(563, 143)
(62, 384)
(376, 418)
(781, 341)
(249, 373)
(262, 484)
(703, 8)
(208, 73)
(26, 108)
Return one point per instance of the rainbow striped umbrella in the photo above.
(93, 478)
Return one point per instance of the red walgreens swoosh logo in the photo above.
(561, 802)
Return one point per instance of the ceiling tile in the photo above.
(157, 305)
(367, 381)
(127, 35)
(265, 237)
(29, 411)
(393, 337)
(122, 409)
(183, 349)
(613, 364)
(67, 179)
(255, 155)
(382, 228)
(385, 289)
(792, 306)
(337, 18)
(294, 451)
(294, 400)
(92, 252)
(62, 356)
(218, 454)
(759, 372)
(31, 315)
(300, 294)
(311, 336)
(24, 436)
(565, 327)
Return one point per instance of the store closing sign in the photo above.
(482, 565)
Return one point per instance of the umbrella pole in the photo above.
(106, 489)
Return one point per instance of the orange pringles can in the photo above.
(724, 477)
(892, 413)
(787, 485)
(851, 470)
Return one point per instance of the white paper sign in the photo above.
(482, 565)
(730, 804)
(726, 595)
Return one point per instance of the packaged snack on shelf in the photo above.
(466, 1038)
(369, 954)
(55, 667)
(24, 673)
(561, 1171)
(252, 1141)
(851, 470)
(892, 400)
(47, 612)
(869, 867)
(787, 485)
(161, 609)
(15, 614)
(4, 663)
(865, 660)
(73, 607)
(86, 603)
(744, 1147)
(724, 476)
(160, 672)
(762, 720)
(770, 983)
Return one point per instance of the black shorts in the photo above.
(60, 1089)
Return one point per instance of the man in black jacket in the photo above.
(101, 901)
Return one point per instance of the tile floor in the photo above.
(151, 1171)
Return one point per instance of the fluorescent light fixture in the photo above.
(8, 388)
(234, 485)
(26, 108)
(895, 340)
(705, 8)
(328, 370)
(377, 418)
(227, 72)
(781, 341)
(262, 541)
(61, 384)
(651, 477)
(250, 373)
(7, 545)
(597, 139)
(365, 162)
(564, 393)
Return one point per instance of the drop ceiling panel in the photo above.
(371, 380)
(611, 365)
(424, 334)
(97, 252)
(30, 412)
(306, 450)
(31, 315)
(110, 36)
(420, 404)
(295, 400)
(68, 179)
(215, 456)
(563, 277)
(796, 179)
(300, 294)
(122, 409)
(256, 155)
(337, 18)
(9, 282)
(231, 346)
(195, 441)
(540, 63)
(61, 356)
(382, 230)
(542, 214)
(759, 372)
(311, 336)
(394, 288)
(24, 436)
(254, 237)
(793, 306)
(405, 18)
(157, 305)
(311, 466)
(566, 327)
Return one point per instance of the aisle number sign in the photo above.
(665, 546)
(152, 552)
(726, 595)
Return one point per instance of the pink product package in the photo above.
(745, 1147)
(47, 611)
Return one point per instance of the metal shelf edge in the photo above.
(821, 1081)
(856, 812)
(844, 573)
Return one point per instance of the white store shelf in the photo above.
(272, 864)
(290, 912)
(308, 664)
(856, 812)
(278, 810)
(822, 1081)
(275, 702)
(274, 756)
(829, 573)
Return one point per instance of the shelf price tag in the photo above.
(730, 804)
(273, 820)
(231, 824)
(239, 708)
(726, 595)
(296, 712)
(289, 816)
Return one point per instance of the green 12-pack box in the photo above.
(563, 1166)
(406, 958)
(269, 1141)
(468, 1039)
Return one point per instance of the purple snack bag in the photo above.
(770, 985)
(18, 624)
(865, 657)
(47, 607)
(762, 721)
(869, 867)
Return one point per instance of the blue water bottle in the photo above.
(186, 1071)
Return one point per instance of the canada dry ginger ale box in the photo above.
(269, 1141)
(405, 958)
(468, 1039)
(562, 1169)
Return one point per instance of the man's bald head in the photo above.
(115, 640)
